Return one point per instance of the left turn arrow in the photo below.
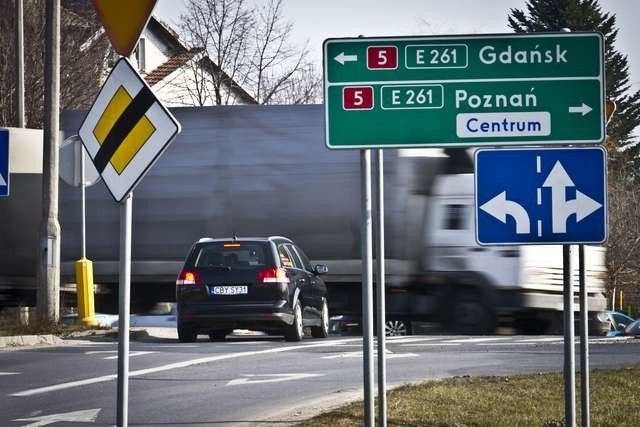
(270, 378)
(85, 416)
(499, 207)
(342, 58)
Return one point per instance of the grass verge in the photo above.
(531, 400)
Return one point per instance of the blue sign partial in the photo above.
(4, 162)
(541, 196)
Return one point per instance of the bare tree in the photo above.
(304, 87)
(245, 48)
(623, 245)
(82, 63)
(221, 29)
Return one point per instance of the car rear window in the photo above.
(232, 255)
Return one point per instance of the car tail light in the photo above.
(188, 277)
(272, 275)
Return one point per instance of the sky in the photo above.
(315, 20)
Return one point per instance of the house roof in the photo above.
(180, 55)
(175, 62)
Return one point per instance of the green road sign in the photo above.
(511, 89)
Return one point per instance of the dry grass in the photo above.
(533, 400)
(9, 326)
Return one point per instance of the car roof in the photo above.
(244, 239)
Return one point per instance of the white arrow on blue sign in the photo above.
(541, 196)
(4, 162)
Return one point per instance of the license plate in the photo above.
(229, 290)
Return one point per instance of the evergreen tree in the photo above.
(623, 246)
(587, 15)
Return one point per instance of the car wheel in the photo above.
(218, 335)
(470, 316)
(322, 331)
(186, 332)
(294, 331)
(396, 328)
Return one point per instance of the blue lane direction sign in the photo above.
(540, 196)
(4, 162)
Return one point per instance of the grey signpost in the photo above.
(478, 90)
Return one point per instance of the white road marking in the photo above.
(431, 344)
(248, 343)
(476, 340)
(534, 340)
(177, 365)
(504, 344)
(358, 354)
(409, 339)
(85, 416)
(170, 346)
(8, 373)
(270, 378)
(131, 353)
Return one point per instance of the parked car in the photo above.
(618, 322)
(633, 329)
(266, 284)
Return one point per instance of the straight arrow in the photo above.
(583, 109)
(342, 58)
(583, 206)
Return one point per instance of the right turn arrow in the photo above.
(583, 109)
(499, 207)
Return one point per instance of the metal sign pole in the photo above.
(584, 340)
(123, 318)
(569, 342)
(367, 285)
(84, 202)
(380, 295)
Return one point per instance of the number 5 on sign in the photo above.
(357, 98)
(382, 57)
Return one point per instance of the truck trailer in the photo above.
(265, 170)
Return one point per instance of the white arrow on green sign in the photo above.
(509, 89)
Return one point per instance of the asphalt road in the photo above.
(252, 380)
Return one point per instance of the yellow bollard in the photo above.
(84, 290)
(621, 306)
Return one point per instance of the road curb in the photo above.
(29, 340)
(36, 340)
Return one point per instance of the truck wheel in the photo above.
(294, 331)
(322, 331)
(470, 316)
(396, 328)
(186, 332)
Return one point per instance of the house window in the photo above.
(141, 55)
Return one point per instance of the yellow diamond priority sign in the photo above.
(126, 129)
